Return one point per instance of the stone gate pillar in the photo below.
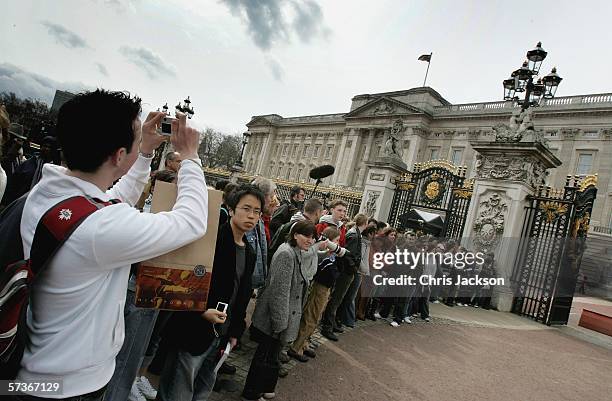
(379, 188)
(506, 173)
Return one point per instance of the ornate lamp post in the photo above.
(245, 139)
(163, 148)
(186, 108)
(522, 80)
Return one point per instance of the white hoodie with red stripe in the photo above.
(75, 320)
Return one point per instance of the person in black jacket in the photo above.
(313, 210)
(28, 173)
(349, 270)
(284, 212)
(346, 313)
(189, 369)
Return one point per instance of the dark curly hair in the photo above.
(94, 125)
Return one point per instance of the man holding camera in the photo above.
(75, 323)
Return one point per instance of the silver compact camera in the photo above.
(166, 126)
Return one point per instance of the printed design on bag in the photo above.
(65, 214)
(171, 288)
(199, 271)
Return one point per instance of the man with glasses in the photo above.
(188, 373)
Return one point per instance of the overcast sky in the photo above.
(238, 58)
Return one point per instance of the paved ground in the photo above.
(464, 354)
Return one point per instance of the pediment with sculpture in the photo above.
(382, 107)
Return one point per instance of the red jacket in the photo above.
(323, 225)
(266, 220)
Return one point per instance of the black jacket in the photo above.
(189, 329)
(283, 215)
(327, 272)
(352, 259)
(278, 238)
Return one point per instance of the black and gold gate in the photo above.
(551, 248)
(438, 187)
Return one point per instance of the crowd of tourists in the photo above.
(304, 265)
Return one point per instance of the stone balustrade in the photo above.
(500, 106)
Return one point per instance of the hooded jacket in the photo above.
(328, 220)
(75, 318)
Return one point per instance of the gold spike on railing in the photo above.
(588, 181)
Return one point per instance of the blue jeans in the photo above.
(139, 325)
(346, 311)
(187, 377)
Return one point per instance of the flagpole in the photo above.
(427, 72)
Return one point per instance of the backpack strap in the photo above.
(56, 226)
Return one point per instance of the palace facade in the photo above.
(577, 129)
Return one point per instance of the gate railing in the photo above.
(283, 188)
(437, 186)
(550, 250)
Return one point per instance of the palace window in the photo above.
(285, 150)
(328, 151)
(317, 148)
(585, 163)
(278, 173)
(295, 150)
(299, 174)
(306, 150)
(434, 153)
(457, 156)
(288, 175)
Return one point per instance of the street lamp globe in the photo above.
(521, 76)
(508, 88)
(551, 83)
(535, 57)
(538, 91)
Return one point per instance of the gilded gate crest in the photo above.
(437, 187)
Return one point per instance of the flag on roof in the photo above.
(425, 57)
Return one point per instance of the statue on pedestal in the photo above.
(391, 148)
(520, 124)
